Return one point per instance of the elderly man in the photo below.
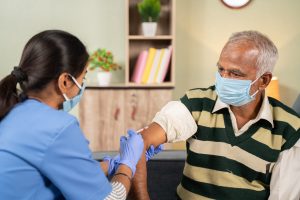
(241, 144)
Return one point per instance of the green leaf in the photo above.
(102, 59)
(149, 10)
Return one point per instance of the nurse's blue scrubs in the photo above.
(44, 155)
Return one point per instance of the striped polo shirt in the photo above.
(221, 165)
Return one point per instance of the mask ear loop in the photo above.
(65, 96)
(75, 81)
(253, 95)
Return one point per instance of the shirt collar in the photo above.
(265, 111)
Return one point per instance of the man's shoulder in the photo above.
(201, 93)
(198, 99)
(286, 121)
(280, 109)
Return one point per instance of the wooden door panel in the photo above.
(159, 98)
(102, 118)
(136, 108)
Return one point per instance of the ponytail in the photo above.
(8, 91)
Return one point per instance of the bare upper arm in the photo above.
(154, 135)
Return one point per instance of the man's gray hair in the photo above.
(268, 53)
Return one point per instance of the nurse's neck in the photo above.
(48, 95)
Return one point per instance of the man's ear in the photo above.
(265, 79)
(64, 82)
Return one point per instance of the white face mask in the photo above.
(68, 104)
(234, 92)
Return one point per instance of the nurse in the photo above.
(43, 152)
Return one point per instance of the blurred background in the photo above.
(202, 28)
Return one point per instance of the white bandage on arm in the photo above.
(177, 121)
(118, 192)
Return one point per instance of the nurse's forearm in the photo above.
(123, 175)
(153, 135)
(104, 167)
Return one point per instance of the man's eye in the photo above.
(236, 74)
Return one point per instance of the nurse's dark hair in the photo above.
(45, 57)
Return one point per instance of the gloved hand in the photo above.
(113, 164)
(131, 149)
(151, 151)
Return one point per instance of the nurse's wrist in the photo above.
(104, 166)
(125, 169)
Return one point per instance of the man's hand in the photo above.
(153, 151)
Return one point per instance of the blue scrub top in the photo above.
(44, 155)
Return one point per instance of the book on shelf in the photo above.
(148, 66)
(152, 65)
(159, 64)
(164, 65)
(139, 67)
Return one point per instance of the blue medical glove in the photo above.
(113, 164)
(151, 151)
(131, 149)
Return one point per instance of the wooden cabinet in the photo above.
(136, 42)
(106, 113)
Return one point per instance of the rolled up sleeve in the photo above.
(177, 121)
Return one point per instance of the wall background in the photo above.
(202, 28)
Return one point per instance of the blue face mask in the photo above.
(68, 104)
(234, 92)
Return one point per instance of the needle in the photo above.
(140, 130)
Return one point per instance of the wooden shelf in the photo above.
(153, 85)
(136, 42)
(158, 37)
(130, 85)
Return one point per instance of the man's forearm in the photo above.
(153, 135)
(139, 184)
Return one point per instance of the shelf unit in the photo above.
(106, 112)
(136, 42)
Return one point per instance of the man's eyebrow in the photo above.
(236, 71)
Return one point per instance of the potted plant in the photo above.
(102, 61)
(149, 11)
